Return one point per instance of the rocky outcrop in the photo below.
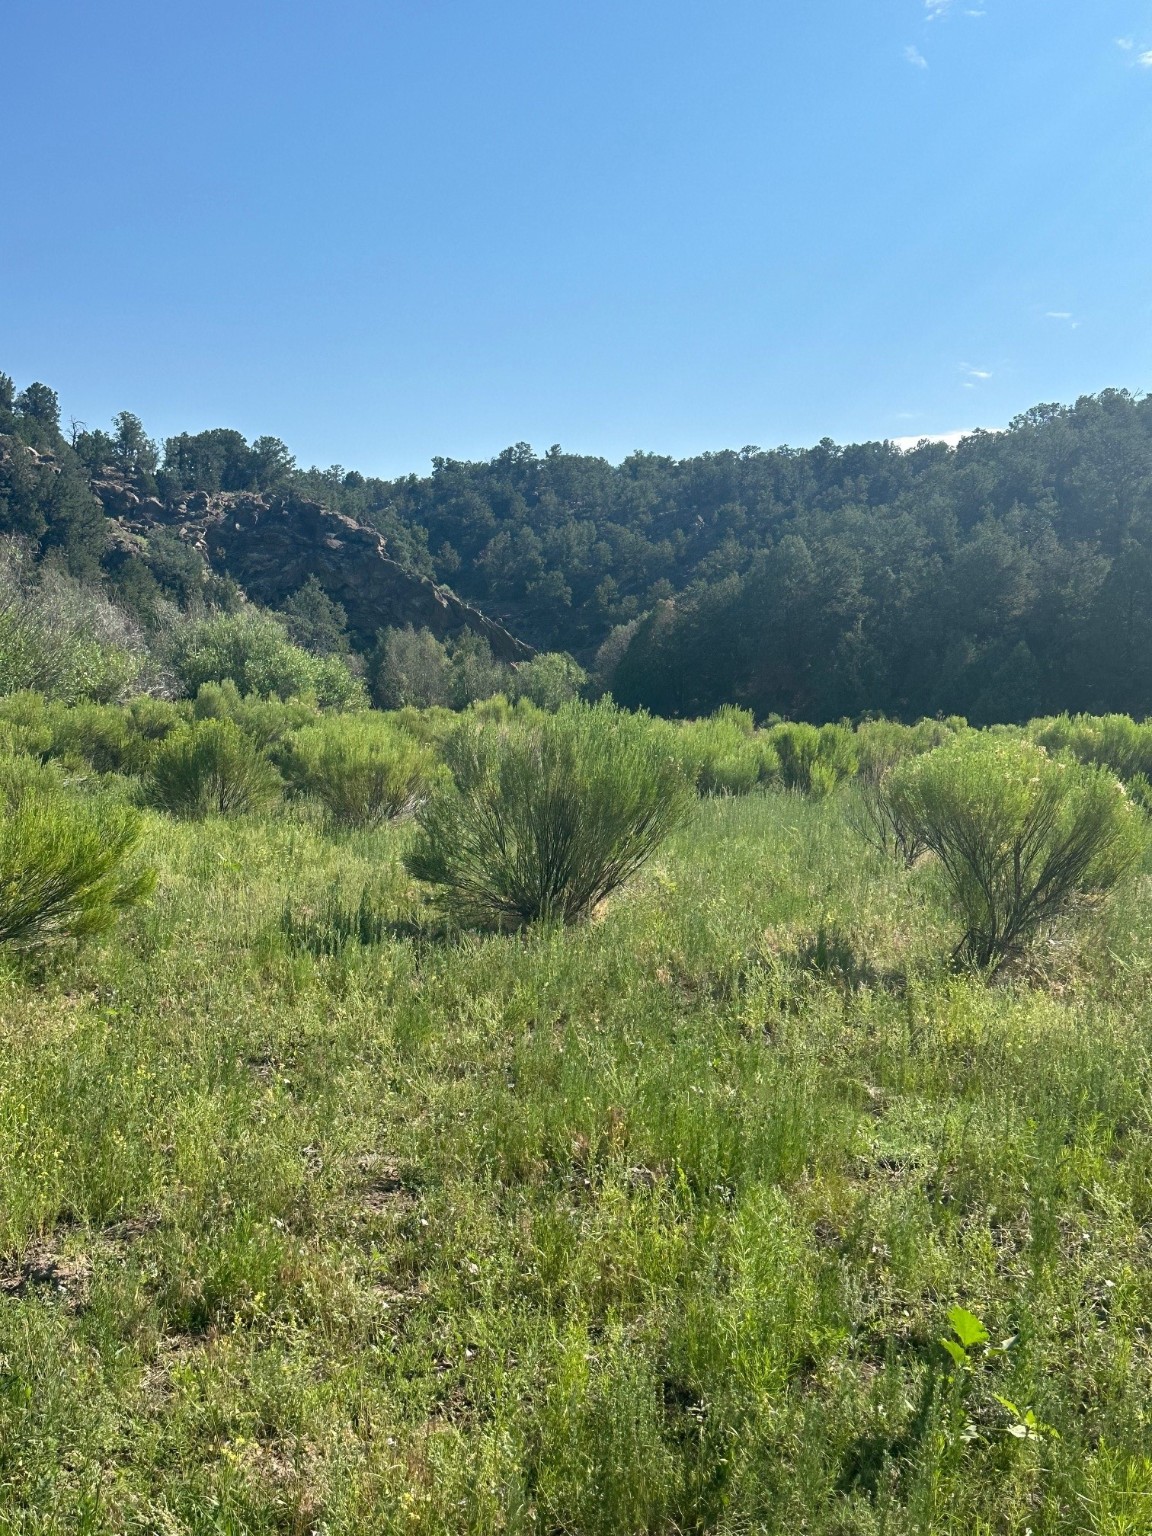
(271, 545)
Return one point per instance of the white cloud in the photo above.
(937, 8)
(1145, 59)
(1127, 43)
(1063, 315)
(978, 374)
(914, 56)
(906, 444)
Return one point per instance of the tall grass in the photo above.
(649, 1224)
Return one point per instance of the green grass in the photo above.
(650, 1225)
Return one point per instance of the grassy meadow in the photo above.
(649, 1224)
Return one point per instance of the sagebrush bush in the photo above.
(211, 768)
(814, 759)
(1017, 833)
(544, 818)
(65, 864)
(363, 768)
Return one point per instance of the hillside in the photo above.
(1008, 577)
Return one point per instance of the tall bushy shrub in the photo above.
(66, 868)
(881, 745)
(1017, 833)
(544, 818)
(252, 650)
(814, 759)
(211, 768)
(1116, 742)
(362, 767)
(724, 754)
(61, 638)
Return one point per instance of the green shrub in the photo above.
(881, 745)
(268, 722)
(724, 754)
(65, 868)
(362, 767)
(545, 818)
(814, 759)
(26, 722)
(252, 650)
(99, 736)
(1017, 833)
(1115, 742)
(21, 774)
(211, 768)
(549, 680)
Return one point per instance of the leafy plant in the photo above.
(252, 650)
(1017, 834)
(545, 818)
(211, 768)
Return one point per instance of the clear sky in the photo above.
(387, 229)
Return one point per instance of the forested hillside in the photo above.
(1009, 577)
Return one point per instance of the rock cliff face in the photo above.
(271, 545)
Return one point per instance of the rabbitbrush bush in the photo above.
(363, 768)
(1018, 835)
(211, 768)
(65, 864)
(723, 754)
(544, 818)
(814, 759)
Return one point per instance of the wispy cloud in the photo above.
(1126, 43)
(975, 375)
(937, 8)
(913, 56)
(1065, 316)
(1145, 59)
(907, 444)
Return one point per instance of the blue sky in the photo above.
(388, 229)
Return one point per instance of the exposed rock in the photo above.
(271, 545)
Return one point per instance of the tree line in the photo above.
(1006, 578)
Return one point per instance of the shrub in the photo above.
(363, 768)
(267, 722)
(724, 754)
(1115, 742)
(60, 637)
(1018, 835)
(65, 870)
(252, 650)
(545, 818)
(814, 759)
(410, 667)
(211, 768)
(881, 745)
(549, 680)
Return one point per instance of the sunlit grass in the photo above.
(648, 1225)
